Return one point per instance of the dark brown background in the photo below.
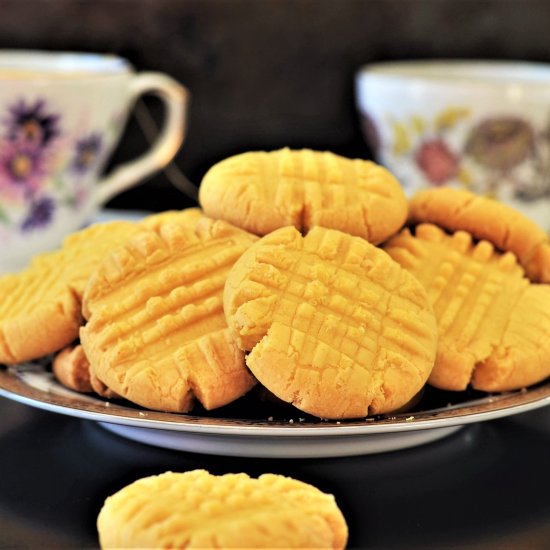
(268, 73)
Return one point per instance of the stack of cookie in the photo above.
(296, 274)
(329, 322)
(295, 303)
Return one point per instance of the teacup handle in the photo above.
(170, 138)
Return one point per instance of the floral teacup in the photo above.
(61, 115)
(480, 125)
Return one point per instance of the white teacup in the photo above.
(61, 115)
(480, 125)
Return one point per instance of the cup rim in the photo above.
(21, 64)
(479, 72)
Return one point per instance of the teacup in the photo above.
(61, 115)
(479, 125)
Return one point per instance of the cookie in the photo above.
(494, 324)
(198, 510)
(40, 306)
(72, 369)
(487, 219)
(156, 332)
(333, 325)
(263, 191)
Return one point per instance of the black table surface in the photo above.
(487, 486)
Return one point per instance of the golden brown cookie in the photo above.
(40, 307)
(198, 510)
(494, 325)
(261, 191)
(334, 326)
(72, 369)
(156, 331)
(487, 219)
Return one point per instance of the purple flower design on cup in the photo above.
(87, 152)
(40, 214)
(31, 123)
(21, 169)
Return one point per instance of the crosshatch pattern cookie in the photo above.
(494, 325)
(487, 219)
(198, 510)
(263, 191)
(334, 326)
(40, 307)
(156, 331)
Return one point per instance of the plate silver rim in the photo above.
(63, 401)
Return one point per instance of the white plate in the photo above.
(248, 429)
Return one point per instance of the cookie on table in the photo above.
(263, 191)
(487, 219)
(494, 324)
(40, 306)
(198, 510)
(156, 332)
(333, 325)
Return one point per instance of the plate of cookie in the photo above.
(257, 425)
(307, 308)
